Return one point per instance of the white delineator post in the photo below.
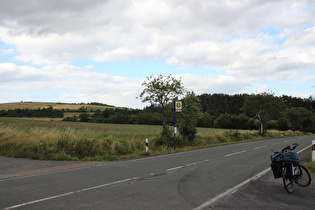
(146, 145)
(313, 150)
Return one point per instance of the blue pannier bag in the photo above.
(291, 156)
(277, 157)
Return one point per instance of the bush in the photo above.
(225, 121)
(84, 117)
(70, 119)
(165, 138)
(234, 135)
(272, 124)
(221, 138)
(283, 124)
(206, 120)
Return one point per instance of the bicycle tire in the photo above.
(303, 178)
(287, 180)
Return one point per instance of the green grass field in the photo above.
(58, 140)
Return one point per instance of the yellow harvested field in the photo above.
(41, 105)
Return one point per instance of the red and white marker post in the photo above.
(146, 145)
(313, 150)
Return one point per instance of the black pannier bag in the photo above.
(276, 169)
(288, 174)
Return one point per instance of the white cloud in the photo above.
(215, 84)
(6, 51)
(113, 30)
(71, 83)
(248, 42)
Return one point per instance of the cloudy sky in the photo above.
(102, 50)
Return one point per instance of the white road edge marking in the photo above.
(235, 188)
(70, 193)
(235, 153)
(231, 191)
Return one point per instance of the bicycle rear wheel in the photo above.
(303, 178)
(287, 179)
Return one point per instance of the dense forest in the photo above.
(217, 110)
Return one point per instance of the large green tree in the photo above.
(161, 90)
(265, 106)
(189, 116)
(300, 118)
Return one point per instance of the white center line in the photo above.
(235, 153)
(70, 193)
(260, 147)
(190, 164)
(175, 168)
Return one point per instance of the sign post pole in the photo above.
(175, 130)
(177, 108)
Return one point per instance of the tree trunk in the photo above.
(261, 122)
(164, 118)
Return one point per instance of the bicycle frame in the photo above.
(290, 172)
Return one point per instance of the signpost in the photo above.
(177, 108)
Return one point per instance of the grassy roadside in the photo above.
(86, 141)
(311, 166)
(306, 159)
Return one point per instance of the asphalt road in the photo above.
(189, 180)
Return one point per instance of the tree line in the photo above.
(45, 112)
(221, 111)
(216, 111)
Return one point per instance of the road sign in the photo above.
(178, 106)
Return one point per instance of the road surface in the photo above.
(187, 180)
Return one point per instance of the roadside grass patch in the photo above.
(311, 166)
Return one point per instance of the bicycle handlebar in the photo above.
(286, 149)
(294, 145)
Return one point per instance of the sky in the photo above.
(75, 51)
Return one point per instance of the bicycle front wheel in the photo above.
(303, 178)
(287, 179)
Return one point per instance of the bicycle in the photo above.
(286, 165)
